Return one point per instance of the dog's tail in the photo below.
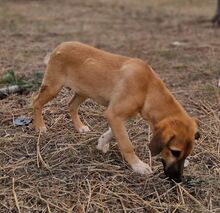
(47, 58)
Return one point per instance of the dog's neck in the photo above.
(160, 104)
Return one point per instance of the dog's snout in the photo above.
(174, 171)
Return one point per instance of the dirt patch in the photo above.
(61, 171)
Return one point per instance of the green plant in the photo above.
(10, 78)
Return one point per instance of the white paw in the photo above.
(83, 129)
(103, 141)
(141, 168)
(102, 145)
(186, 163)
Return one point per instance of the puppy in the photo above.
(127, 87)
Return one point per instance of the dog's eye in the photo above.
(175, 153)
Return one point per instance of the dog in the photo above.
(127, 87)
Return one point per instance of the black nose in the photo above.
(173, 172)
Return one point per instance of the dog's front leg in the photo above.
(125, 146)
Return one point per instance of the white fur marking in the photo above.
(103, 141)
(142, 168)
(84, 129)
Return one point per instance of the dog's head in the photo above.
(174, 140)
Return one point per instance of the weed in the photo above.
(10, 78)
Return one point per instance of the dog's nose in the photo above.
(174, 173)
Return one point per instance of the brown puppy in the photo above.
(127, 86)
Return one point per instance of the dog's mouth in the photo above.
(174, 171)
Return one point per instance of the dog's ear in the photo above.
(157, 143)
(162, 136)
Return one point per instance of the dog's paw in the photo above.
(142, 168)
(103, 145)
(41, 128)
(103, 141)
(83, 129)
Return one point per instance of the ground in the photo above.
(61, 171)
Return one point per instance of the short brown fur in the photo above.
(127, 86)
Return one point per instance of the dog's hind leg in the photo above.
(50, 87)
(104, 140)
(74, 108)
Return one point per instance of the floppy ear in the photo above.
(162, 137)
(157, 144)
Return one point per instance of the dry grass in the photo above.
(61, 171)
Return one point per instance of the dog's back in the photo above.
(89, 71)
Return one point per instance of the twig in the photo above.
(48, 202)
(148, 204)
(181, 195)
(39, 157)
(48, 208)
(15, 196)
(123, 206)
(163, 194)
(89, 195)
(193, 198)
(158, 197)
